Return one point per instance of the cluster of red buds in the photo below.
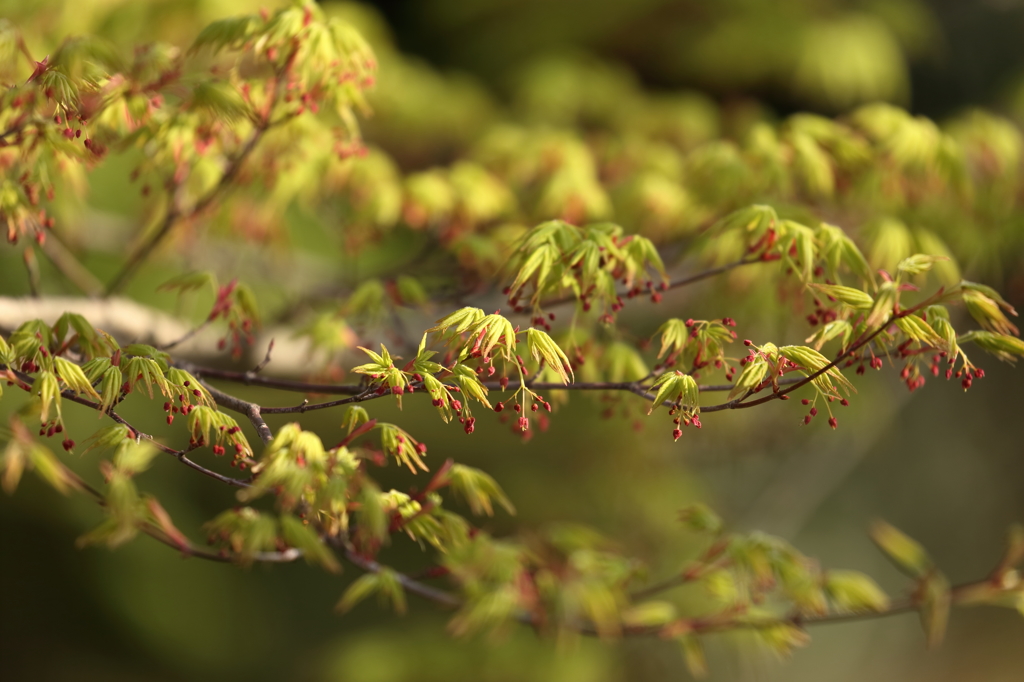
(912, 377)
(51, 428)
(875, 363)
(969, 376)
(186, 405)
(680, 420)
(543, 322)
(654, 291)
(487, 367)
(821, 314)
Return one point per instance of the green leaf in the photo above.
(301, 536)
(782, 638)
(219, 100)
(5, 352)
(478, 490)
(693, 655)
(917, 329)
(400, 445)
(918, 263)
(50, 468)
(49, 395)
(699, 517)
(89, 341)
(134, 457)
(674, 335)
(372, 519)
(988, 312)
(73, 376)
(649, 614)
(854, 592)
(753, 374)
(855, 298)
(355, 416)
(907, 554)
(459, 321)
(830, 331)
(674, 386)
(228, 33)
(108, 437)
(360, 588)
(935, 603)
(811, 361)
(191, 281)
(885, 302)
(543, 348)
(110, 388)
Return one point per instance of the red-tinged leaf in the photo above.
(163, 519)
(357, 433)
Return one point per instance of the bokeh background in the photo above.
(944, 466)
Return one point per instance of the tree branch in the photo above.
(70, 267)
(965, 593)
(253, 379)
(864, 340)
(250, 410)
(180, 455)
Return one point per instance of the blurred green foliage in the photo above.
(457, 166)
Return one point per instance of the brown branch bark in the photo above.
(250, 410)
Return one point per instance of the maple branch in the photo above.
(966, 593)
(250, 410)
(252, 379)
(864, 340)
(174, 214)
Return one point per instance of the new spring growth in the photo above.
(680, 391)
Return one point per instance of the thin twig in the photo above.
(70, 267)
(32, 268)
(181, 455)
(252, 379)
(187, 335)
(174, 214)
(692, 279)
(189, 550)
(266, 359)
(305, 406)
(409, 584)
(864, 340)
(960, 594)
